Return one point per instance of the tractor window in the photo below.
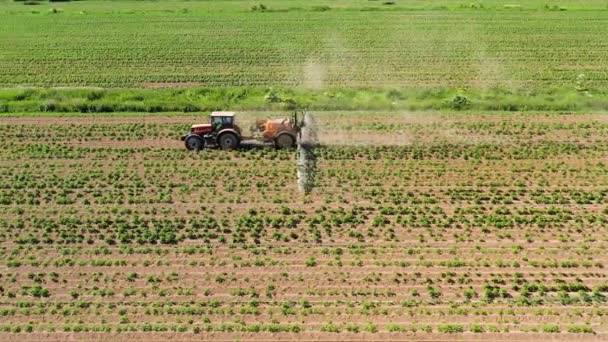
(221, 121)
(217, 122)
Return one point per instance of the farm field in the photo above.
(413, 44)
(461, 182)
(479, 225)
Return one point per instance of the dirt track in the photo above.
(395, 128)
(362, 336)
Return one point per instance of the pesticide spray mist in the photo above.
(306, 156)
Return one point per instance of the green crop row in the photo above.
(350, 44)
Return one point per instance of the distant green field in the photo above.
(315, 44)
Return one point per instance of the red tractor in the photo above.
(222, 131)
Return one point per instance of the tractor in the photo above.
(223, 132)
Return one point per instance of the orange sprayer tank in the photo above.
(272, 128)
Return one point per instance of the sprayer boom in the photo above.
(306, 156)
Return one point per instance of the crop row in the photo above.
(506, 131)
(342, 48)
(442, 235)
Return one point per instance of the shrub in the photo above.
(272, 97)
(469, 294)
(433, 292)
(370, 328)
(311, 262)
(260, 8)
(289, 103)
(477, 329)
(330, 327)
(450, 328)
(551, 329)
(580, 329)
(38, 291)
(395, 328)
(491, 292)
(460, 102)
(426, 328)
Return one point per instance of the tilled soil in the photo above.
(426, 228)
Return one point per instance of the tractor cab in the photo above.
(222, 120)
(217, 122)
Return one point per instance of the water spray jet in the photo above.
(305, 154)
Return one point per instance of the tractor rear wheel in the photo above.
(284, 141)
(228, 141)
(194, 142)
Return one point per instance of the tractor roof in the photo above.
(222, 114)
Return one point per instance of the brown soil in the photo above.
(219, 336)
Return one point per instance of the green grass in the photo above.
(413, 44)
(293, 5)
(196, 99)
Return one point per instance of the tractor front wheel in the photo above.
(284, 141)
(228, 141)
(194, 142)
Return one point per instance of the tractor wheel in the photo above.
(284, 141)
(194, 142)
(228, 141)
